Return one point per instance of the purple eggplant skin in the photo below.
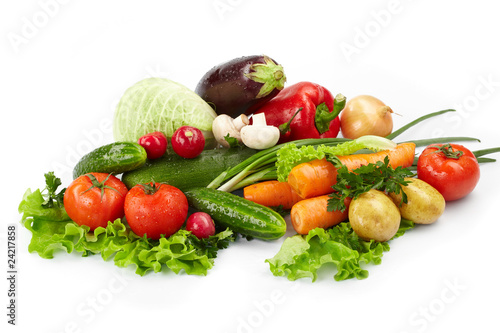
(241, 85)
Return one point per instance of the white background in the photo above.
(65, 64)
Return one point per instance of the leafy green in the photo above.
(303, 255)
(52, 230)
(36, 204)
(53, 199)
(290, 155)
(159, 104)
(251, 170)
(233, 142)
(379, 176)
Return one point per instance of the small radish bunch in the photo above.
(187, 142)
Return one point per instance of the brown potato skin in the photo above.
(373, 215)
(425, 204)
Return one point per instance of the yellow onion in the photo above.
(365, 115)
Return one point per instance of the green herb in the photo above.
(290, 155)
(280, 159)
(379, 176)
(233, 142)
(416, 121)
(53, 199)
(262, 164)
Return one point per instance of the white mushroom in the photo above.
(259, 135)
(224, 125)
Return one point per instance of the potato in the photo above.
(425, 204)
(373, 215)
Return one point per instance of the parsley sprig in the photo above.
(378, 176)
(52, 198)
(233, 142)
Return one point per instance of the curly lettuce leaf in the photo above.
(33, 204)
(52, 231)
(290, 155)
(303, 255)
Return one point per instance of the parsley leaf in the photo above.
(233, 142)
(378, 176)
(53, 199)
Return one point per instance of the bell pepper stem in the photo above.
(285, 127)
(324, 117)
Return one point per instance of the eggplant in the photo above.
(241, 85)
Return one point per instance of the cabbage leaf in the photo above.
(159, 104)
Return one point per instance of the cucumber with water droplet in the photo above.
(115, 158)
(185, 173)
(237, 213)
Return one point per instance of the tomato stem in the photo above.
(448, 151)
(151, 188)
(99, 185)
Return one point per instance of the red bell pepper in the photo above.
(306, 110)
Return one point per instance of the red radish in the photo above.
(188, 141)
(155, 144)
(201, 225)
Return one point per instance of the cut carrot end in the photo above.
(312, 213)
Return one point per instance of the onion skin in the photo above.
(365, 115)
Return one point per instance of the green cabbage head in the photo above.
(159, 104)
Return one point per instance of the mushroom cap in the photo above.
(259, 136)
(225, 125)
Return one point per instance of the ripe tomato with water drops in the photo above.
(452, 169)
(155, 209)
(94, 199)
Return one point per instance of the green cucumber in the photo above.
(116, 158)
(185, 173)
(237, 213)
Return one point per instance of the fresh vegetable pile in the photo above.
(192, 171)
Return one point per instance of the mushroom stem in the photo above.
(240, 121)
(259, 119)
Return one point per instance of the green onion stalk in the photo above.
(265, 165)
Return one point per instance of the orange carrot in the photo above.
(271, 193)
(312, 179)
(315, 178)
(312, 213)
(402, 155)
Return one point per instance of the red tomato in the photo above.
(94, 199)
(155, 209)
(188, 141)
(155, 144)
(451, 169)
